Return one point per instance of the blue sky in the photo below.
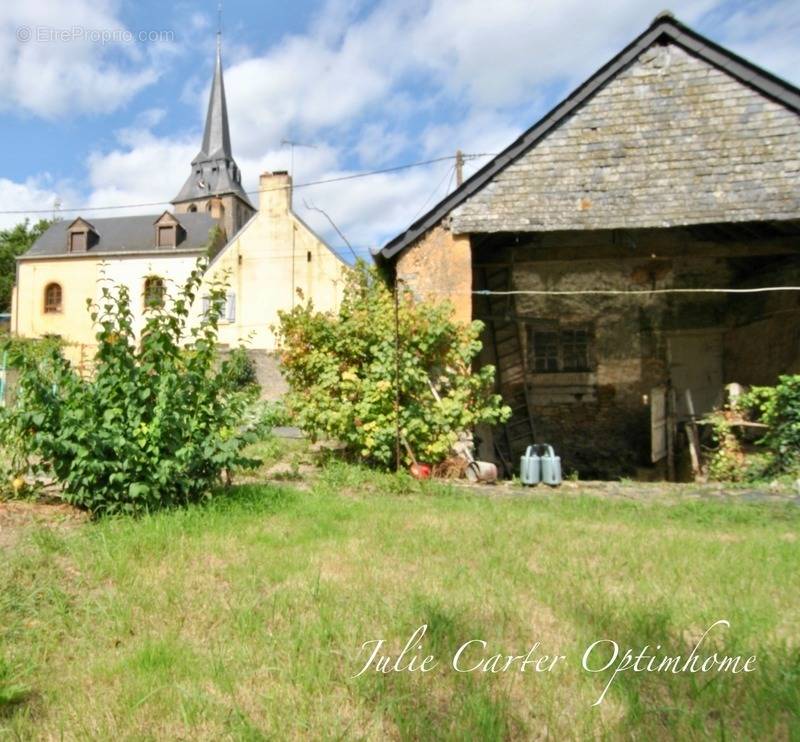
(100, 117)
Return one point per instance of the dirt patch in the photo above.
(17, 516)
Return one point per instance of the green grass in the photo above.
(243, 618)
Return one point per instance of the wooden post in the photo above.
(693, 436)
(671, 475)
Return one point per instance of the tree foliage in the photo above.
(342, 372)
(14, 242)
(157, 422)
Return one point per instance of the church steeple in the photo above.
(216, 136)
(215, 174)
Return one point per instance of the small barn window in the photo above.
(52, 298)
(153, 292)
(556, 349)
(574, 350)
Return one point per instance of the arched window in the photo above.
(192, 208)
(52, 298)
(208, 206)
(153, 292)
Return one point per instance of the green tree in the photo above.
(342, 371)
(14, 242)
(156, 424)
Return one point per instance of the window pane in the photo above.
(545, 351)
(575, 350)
(52, 298)
(154, 292)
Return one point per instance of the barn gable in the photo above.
(671, 140)
(622, 149)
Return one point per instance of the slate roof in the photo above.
(214, 171)
(126, 234)
(665, 28)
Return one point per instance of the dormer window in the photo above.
(81, 236)
(169, 231)
(77, 241)
(166, 236)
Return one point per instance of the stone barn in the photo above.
(619, 249)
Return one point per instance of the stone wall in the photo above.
(439, 267)
(671, 140)
(764, 338)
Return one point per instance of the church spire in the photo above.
(216, 136)
(214, 171)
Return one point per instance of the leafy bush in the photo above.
(730, 461)
(779, 407)
(341, 369)
(156, 424)
(242, 371)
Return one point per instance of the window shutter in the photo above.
(206, 305)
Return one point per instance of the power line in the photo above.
(628, 292)
(324, 213)
(449, 172)
(338, 179)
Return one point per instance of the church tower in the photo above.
(215, 183)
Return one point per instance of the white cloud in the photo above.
(766, 34)
(34, 194)
(62, 58)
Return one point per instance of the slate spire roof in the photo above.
(214, 171)
(216, 137)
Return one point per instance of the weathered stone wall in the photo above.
(764, 338)
(669, 141)
(439, 267)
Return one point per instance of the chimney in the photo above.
(275, 197)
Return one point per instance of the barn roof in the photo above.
(664, 29)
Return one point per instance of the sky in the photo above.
(102, 101)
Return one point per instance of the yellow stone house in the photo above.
(265, 254)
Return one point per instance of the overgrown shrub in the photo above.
(242, 371)
(779, 407)
(156, 424)
(342, 373)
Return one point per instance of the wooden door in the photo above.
(695, 364)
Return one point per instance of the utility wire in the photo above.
(338, 179)
(450, 171)
(324, 213)
(630, 292)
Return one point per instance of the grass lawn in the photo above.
(244, 618)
